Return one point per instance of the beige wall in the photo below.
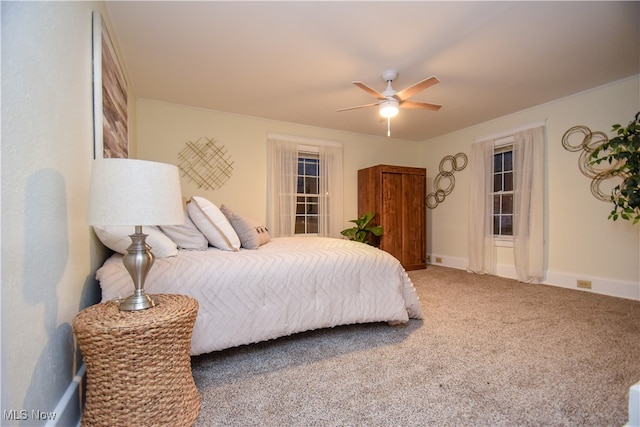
(581, 242)
(163, 130)
(49, 254)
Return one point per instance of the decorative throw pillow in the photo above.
(116, 238)
(252, 235)
(213, 224)
(187, 236)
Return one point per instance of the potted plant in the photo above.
(363, 229)
(623, 152)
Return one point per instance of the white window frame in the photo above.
(499, 145)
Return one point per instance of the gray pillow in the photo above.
(186, 236)
(252, 235)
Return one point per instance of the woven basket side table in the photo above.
(138, 363)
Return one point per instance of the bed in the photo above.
(283, 286)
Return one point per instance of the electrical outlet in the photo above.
(584, 284)
(429, 258)
(438, 260)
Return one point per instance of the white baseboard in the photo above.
(447, 261)
(599, 285)
(69, 409)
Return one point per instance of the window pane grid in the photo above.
(503, 192)
(307, 194)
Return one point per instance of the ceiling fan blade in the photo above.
(358, 106)
(417, 105)
(418, 87)
(370, 91)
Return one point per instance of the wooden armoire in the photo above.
(397, 195)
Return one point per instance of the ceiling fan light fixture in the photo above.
(389, 108)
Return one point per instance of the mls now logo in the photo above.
(16, 415)
(22, 415)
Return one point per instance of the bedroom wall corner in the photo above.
(581, 243)
(49, 254)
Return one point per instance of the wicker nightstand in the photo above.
(138, 363)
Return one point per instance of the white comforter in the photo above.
(289, 285)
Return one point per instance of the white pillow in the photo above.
(187, 236)
(252, 234)
(116, 238)
(213, 224)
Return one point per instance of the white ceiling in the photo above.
(295, 61)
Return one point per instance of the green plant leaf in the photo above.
(363, 229)
(623, 151)
(377, 230)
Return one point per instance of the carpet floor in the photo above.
(489, 352)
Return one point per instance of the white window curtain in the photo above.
(528, 221)
(528, 208)
(481, 242)
(282, 173)
(330, 221)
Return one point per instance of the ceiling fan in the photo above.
(391, 100)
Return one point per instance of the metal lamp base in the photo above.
(140, 301)
(138, 262)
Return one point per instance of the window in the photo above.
(307, 193)
(503, 192)
(506, 203)
(304, 186)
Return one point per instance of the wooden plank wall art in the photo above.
(111, 138)
(205, 163)
(448, 165)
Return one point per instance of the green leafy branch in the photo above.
(623, 152)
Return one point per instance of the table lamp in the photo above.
(135, 193)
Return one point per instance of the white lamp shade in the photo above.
(134, 192)
(389, 108)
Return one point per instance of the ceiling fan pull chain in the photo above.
(388, 126)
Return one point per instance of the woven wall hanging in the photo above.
(586, 142)
(205, 163)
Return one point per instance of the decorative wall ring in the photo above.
(585, 167)
(458, 157)
(452, 164)
(595, 140)
(448, 165)
(432, 201)
(585, 131)
(438, 180)
(587, 144)
(597, 181)
(435, 198)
